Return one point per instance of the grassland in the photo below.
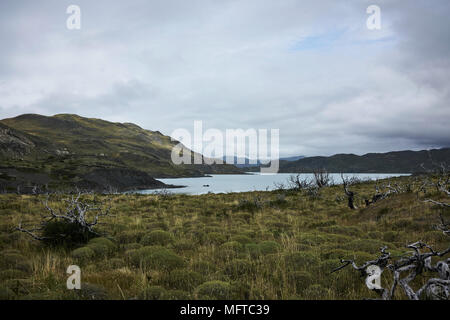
(256, 245)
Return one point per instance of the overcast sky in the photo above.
(309, 68)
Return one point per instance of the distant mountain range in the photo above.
(69, 150)
(390, 162)
(247, 163)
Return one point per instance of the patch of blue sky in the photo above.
(334, 39)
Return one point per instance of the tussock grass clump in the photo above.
(300, 280)
(365, 245)
(268, 247)
(315, 292)
(132, 246)
(115, 263)
(130, 236)
(175, 295)
(237, 268)
(214, 290)
(184, 245)
(156, 257)
(101, 246)
(300, 260)
(91, 291)
(152, 293)
(157, 237)
(12, 260)
(215, 238)
(181, 279)
(83, 253)
(204, 267)
(262, 248)
(242, 239)
(6, 293)
(12, 274)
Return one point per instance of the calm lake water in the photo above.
(225, 183)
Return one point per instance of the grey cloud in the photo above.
(238, 64)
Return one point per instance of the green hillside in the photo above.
(69, 149)
(390, 162)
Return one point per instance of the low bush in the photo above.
(300, 260)
(300, 279)
(157, 237)
(10, 260)
(83, 253)
(237, 268)
(315, 292)
(156, 257)
(152, 293)
(182, 279)
(219, 290)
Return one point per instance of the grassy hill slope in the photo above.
(67, 149)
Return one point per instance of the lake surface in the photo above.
(225, 183)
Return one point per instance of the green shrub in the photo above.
(390, 236)
(175, 295)
(156, 257)
(361, 257)
(129, 236)
(215, 238)
(300, 260)
(336, 254)
(182, 279)
(184, 245)
(15, 261)
(315, 292)
(365, 245)
(12, 274)
(241, 239)
(300, 279)
(152, 293)
(204, 267)
(345, 230)
(105, 242)
(101, 246)
(375, 235)
(115, 263)
(158, 226)
(312, 239)
(232, 246)
(268, 247)
(131, 246)
(326, 266)
(83, 253)
(253, 249)
(63, 233)
(19, 286)
(93, 291)
(6, 293)
(240, 290)
(237, 268)
(157, 237)
(219, 290)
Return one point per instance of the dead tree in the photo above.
(384, 191)
(297, 183)
(74, 224)
(406, 269)
(350, 194)
(321, 178)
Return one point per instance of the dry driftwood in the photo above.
(406, 269)
(82, 214)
